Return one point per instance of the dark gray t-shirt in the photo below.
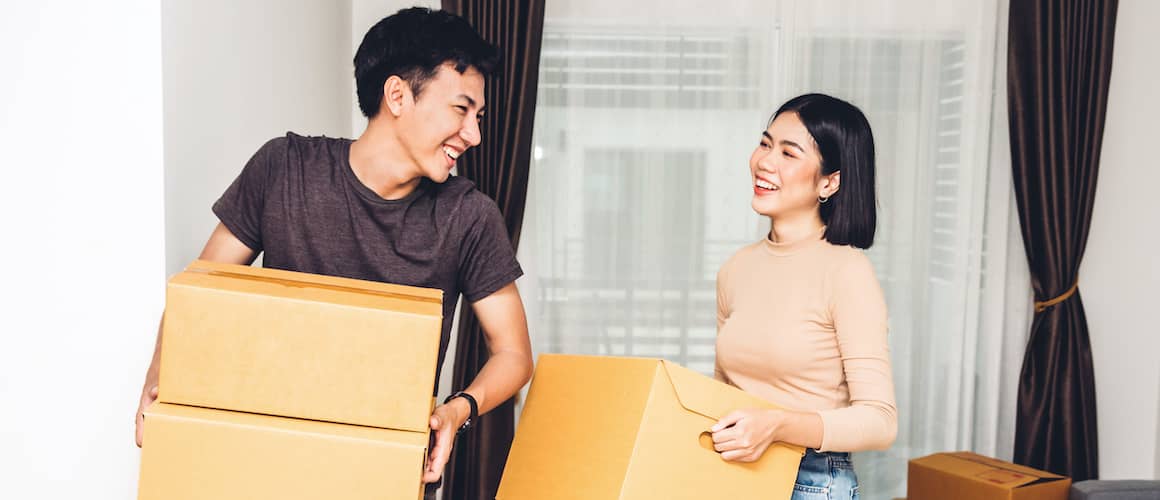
(298, 201)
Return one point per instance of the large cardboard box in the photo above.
(968, 476)
(598, 428)
(198, 454)
(300, 345)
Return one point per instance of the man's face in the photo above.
(443, 122)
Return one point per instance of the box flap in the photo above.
(714, 399)
(674, 457)
(297, 279)
(1000, 464)
(705, 396)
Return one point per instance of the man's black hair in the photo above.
(412, 44)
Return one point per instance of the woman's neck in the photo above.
(796, 227)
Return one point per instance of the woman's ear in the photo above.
(829, 184)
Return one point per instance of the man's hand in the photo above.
(222, 247)
(445, 421)
(148, 396)
(743, 436)
(505, 331)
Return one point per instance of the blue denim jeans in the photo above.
(826, 476)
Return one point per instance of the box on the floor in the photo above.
(633, 429)
(969, 476)
(197, 453)
(300, 345)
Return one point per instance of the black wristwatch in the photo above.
(470, 402)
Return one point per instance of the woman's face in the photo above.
(786, 170)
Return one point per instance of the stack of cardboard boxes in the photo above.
(287, 385)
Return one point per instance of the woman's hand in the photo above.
(743, 435)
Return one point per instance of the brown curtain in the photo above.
(499, 167)
(1059, 63)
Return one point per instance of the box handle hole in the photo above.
(706, 440)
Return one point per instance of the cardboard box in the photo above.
(967, 476)
(300, 345)
(197, 454)
(597, 428)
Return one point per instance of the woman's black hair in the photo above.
(845, 144)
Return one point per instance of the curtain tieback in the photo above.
(1042, 306)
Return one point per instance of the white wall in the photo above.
(1120, 274)
(83, 250)
(237, 74)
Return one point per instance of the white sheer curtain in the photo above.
(640, 188)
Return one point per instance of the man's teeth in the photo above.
(764, 185)
(451, 153)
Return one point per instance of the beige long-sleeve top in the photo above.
(803, 325)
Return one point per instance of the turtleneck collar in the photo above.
(784, 248)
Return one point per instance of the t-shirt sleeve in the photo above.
(240, 207)
(860, 321)
(488, 261)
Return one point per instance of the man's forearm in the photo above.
(154, 371)
(500, 378)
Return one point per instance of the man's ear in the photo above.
(396, 94)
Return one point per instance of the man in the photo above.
(384, 207)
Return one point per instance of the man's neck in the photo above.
(378, 161)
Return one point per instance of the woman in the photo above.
(801, 318)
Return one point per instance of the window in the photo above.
(640, 187)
